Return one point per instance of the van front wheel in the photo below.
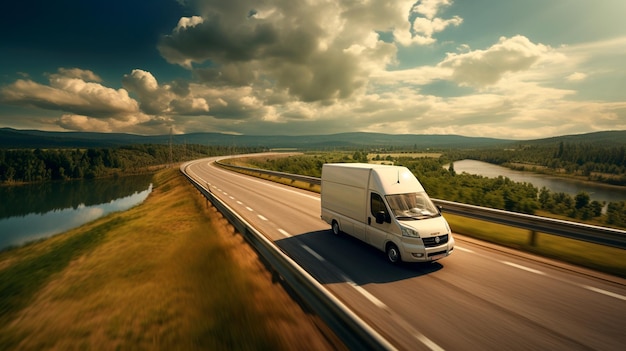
(335, 227)
(393, 254)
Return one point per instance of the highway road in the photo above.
(481, 297)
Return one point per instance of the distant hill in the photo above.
(14, 138)
(610, 138)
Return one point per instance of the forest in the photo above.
(604, 163)
(38, 165)
(446, 184)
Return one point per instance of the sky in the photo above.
(484, 68)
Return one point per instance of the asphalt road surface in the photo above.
(481, 297)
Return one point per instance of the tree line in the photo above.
(38, 165)
(596, 162)
(444, 183)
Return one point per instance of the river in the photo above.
(35, 211)
(596, 191)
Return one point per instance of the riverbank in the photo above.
(595, 178)
(167, 274)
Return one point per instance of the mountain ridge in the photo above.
(16, 138)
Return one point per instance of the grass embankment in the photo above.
(168, 274)
(598, 257)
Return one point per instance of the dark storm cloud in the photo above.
(277, 42)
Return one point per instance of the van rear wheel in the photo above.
(393, 254)
(335, 227)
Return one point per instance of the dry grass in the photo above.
(169, 274)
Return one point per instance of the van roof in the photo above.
(362, 165)
(389, 179)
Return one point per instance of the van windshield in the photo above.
(412, 206)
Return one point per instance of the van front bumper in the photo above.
(414, 252)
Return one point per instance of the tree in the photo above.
(451, 169)
(581, 200)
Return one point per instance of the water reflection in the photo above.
(33, 212)
(46, 197)
(596, 191)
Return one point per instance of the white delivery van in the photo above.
(386, 207)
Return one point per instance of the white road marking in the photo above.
(604, 292)
(249, 209)
(365, 293)
(262, 218)
(283, 232)
(358, 288)
(527, 269)
(313, 253)
(463, 249)
(239, 202)
(274, 185)
(231, 197)
(429, 343)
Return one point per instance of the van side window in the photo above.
(377, 204)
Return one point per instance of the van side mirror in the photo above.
(440, 208)
(382, 216)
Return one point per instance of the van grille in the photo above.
(432, 241)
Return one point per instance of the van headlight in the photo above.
(409, 232)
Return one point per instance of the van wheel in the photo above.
(393, 254)
(335, 227)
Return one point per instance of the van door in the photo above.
(376, 233)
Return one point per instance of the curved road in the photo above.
(481, 297)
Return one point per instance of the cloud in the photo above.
(84, 123)
(485, 67)
(315, 51)
(88, 105)
(72, 91)
(168, 99)
(576, 76)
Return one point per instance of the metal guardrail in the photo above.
(535, 224)
(572, 230)
(307, 179)
(355, 333)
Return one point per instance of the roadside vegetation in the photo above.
(169, 274)
(40, 165)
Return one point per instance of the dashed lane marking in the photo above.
(463, 249)
(426, 341)
(527, 269)
(604, 292)
(366, 293)
(358, 288)
(313, 253)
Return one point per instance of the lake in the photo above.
(596, 191)
(35, 211)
